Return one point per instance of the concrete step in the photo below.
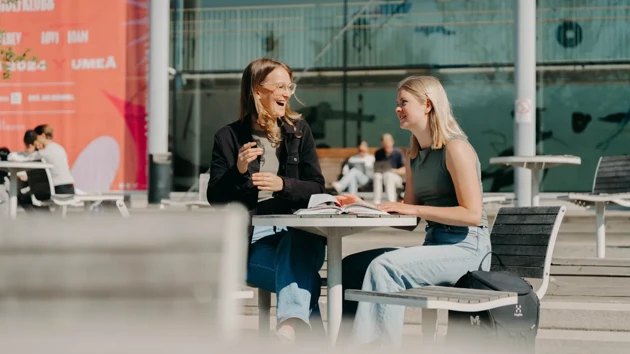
(585, 316)
(582, 342)
(562, 313)
(548, 341)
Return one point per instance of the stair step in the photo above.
(586, 316)
(565, 315)
(548, 341)
(581, 342)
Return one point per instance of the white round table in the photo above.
(13, 167)
(536, 164)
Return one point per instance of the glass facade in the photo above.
(583, 51)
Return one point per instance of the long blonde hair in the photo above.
(441, 121)
(253, 75)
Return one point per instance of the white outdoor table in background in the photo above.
(334, 227)
(14, 167)
(536, 164)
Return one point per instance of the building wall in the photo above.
(583, 110)
(398, 33)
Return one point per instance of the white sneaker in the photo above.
(337, 187)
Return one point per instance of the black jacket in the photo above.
(299, 169)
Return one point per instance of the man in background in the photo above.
(390, 170)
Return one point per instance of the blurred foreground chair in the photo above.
(155, 283)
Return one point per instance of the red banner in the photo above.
(88, 83)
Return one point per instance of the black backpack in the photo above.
(511, 328)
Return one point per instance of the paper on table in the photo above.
(319, 199)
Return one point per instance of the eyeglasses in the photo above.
(283, 86)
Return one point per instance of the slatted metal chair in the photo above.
(43, 194)
(123, 285)
(611, 185)
(522, 237)
(199, 201)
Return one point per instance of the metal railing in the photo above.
(396, 34)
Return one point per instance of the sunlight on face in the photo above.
(274, 92)
(409, 111)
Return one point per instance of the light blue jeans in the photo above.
(352, 180)
(287, 263)
(447, 254)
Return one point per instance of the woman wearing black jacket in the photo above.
(267, 161)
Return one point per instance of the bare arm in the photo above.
(461, 164)
(410, 196)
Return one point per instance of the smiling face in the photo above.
(274, 92)
(410, 112)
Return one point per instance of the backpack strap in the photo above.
(496, 255)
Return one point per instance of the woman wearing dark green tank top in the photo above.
(443, 187)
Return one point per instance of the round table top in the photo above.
(24, 165)
(554, 160)
(329, 220)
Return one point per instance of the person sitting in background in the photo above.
(4, 187)
(4, 152)
(357, 171)
(392, 175)
(30, 146)
(54, 154)
(30, 140)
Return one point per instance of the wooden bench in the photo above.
(524, 239)
(611, 185)
(105, 282)
(331, 161)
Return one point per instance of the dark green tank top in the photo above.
(432, 183)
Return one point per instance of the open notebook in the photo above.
(322, 204)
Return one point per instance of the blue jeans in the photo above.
(447, 254)
(352, 180)
(287, 263)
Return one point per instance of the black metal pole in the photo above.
(345, 75)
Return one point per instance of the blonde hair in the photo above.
(441, 121)
(253, 75)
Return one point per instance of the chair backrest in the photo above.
(523, 238)
(40, 183)
(612, 175)
(162, 280)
